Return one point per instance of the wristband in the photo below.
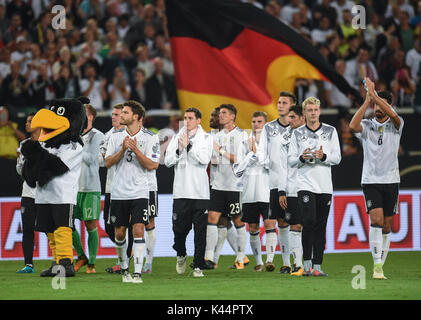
(221, 151)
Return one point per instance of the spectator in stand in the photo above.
(332, 44)
(324, 9)
(4, 21)
(138, 91)
(403, 87)
(149, 36)
(353, 45)
(274, 9)
(413, 59)
(160, 89)
(13, 88)
(319, 34)
(359, 68)
(10, 135)
(23, 9)
(38, 88)
(34, 63)
(66, 83)
(403, 5)
(346, 30)
(39, 31)
(340, 6)
(88, 56)
(334, 97)
(108, 50)
(65, 58)
(22, 54)
(118, 90)
(4, 63)
(406, 32)
(390, 61)
(167, 60)
(142, 55)
(15, 29)
(297, 26)
(416, 19)
(373, 30)
(123, 25)
(94, 8)
(93, 88)
(289, 10)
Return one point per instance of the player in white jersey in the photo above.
(27, 205)
(225, 227)
(226, 187)
(132, 152)
(109, 226)
(313, 149)
(152, 209)
(255, 195)
(380, 137)
(275, 137)
(190, 151)
(88, 206)
(289, 201)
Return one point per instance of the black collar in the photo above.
(314, 130)
(282, 124)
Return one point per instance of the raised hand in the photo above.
(319, 153)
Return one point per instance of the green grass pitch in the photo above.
(403, 270)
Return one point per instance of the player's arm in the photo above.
(172, 154)
(332, 156)
(294, 158)
(387, 108)
(144, 161)
(355, 124)
(112, 157)
(230, 156)
(283, 177)
(90, 155)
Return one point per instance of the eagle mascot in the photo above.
(52, 165)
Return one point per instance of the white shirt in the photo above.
(95, 94)
(131, 178)
(274, 138)
(336, 95)
(315, 175)
(339, 8)
(214, 159)
(89, 180)
(287, 12)
(190, 177)
(380, 142)
(224, 178)
(319, 36)
(27, 191)
(118, 98)
(255, 176)
(413, 59)
(64, 188)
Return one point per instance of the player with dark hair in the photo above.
(289, 201)
(226, 187)
(27, 205)
(190, 151)
(380, 137)
(275, 137)
(134, 153)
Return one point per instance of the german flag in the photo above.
(226, 51)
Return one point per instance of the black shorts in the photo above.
(129, 212)
(153, 204)
(28, 210)
(226, 202)
(384, 196)
(252, 212)
(275, 211)
(107, 209)
(52, 216)
(293, 214)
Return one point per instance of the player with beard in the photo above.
(380, 137)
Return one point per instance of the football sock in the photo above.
(211, 241)
(385, 247)
(317, 267)
(284, 244)
(93, 242)
(241, 242)
(256, 247)
(77, 243)
(271, 240)
(307, 265)
(376, 242)
(52, 242)
(138, 253)
(150, 245)
(296, 247)
(63, 239)
(121, 248)
(222, 236)
(232, 238)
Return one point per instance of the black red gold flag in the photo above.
(226, 51)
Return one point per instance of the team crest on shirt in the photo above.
(113, 219)
(306, 198)
(22, 209)
(231, 140)
(369, 203)
(304, 138)
(174, 216)
(324, 136)
(140, 144)
(274, 133)
(287, 216)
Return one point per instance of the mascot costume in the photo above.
(53, 165)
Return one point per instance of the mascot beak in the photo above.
(50, 123)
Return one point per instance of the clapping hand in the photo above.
(318, 154)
